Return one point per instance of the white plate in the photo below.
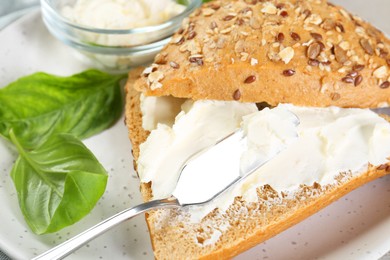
(355, 227)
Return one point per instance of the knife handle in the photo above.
(69, 246)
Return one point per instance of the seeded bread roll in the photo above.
(174, 236)
(308, 53)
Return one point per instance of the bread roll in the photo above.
(175, 237)
(308, 53)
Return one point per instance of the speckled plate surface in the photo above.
(355, 227)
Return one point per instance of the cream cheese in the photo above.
(267, 132)
(330, 141)
(161, 110)
(121, 14)
(238, 155)
(197, 126)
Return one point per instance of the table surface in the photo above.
(10, 10)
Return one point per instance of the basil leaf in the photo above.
(58, 183)
(39, 105)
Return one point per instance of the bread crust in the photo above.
(308, 209)
(173, 238)
(307, 53)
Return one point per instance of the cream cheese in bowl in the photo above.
(116, 35)
(121, 14)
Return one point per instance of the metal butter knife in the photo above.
(220, 161)
(382, 111)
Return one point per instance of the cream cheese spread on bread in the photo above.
(199, 125)
(331, 141)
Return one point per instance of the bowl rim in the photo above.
(102, 49)
(46, 6)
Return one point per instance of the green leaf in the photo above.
(58, 183)
(40, 105)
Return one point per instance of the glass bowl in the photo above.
(112, 49)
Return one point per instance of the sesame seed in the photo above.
(352, 74)
(348, 80)
(328, 24)
(313, 62)
(214, 6)
(340, 54)
(245, 10)
(380, 72)
(191, 27)
(208, 12)
(174, 65)
(226, 30)
(358, 67)
(160, 59)
(366, 46)
(237, 95)
(250, 79)
(213, 25)
(295, 36)
(313, 51)
(228, 18)
(284, 14)
(382, 167)
(358, 80)
(191, 35)
(385, 84)
(280, 37)
(288, 72)
(254, 61)
(240, 22)
(197, 60)
(345, 14)
(180, 41)
(316, 36)
(322, 46)
(269, 8)
(340, 27)
(286, 54)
